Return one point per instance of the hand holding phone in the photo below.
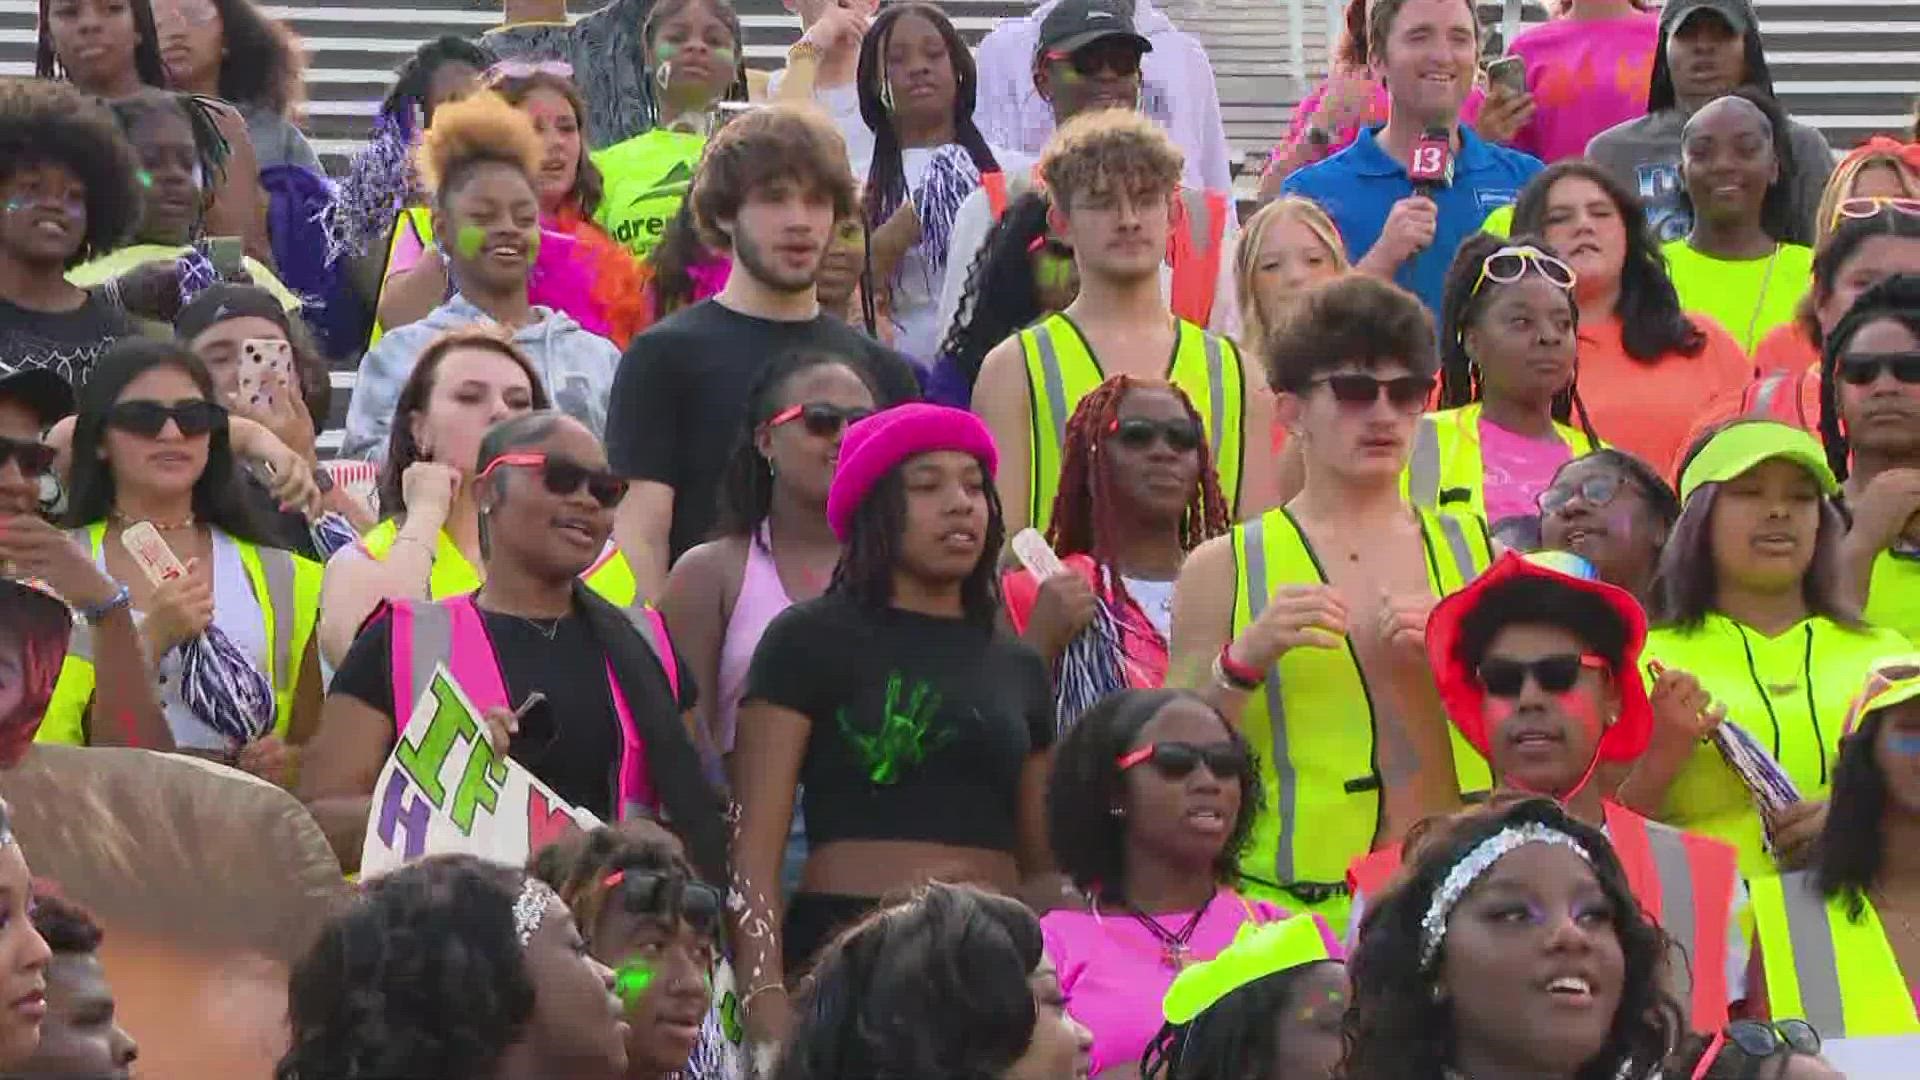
(1508, 74)
(156, 559)
(266, 373)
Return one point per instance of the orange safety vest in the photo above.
(1193, 243)
(1684, 882)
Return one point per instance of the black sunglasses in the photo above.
(1408, 393)
(563, 477)
(1119, 56)
(1760, 1040)
(1503, 678)
(1174, 760)
(34, 457)
(1596, 490)
(1139, 433)
(651, 892)
(821, 420)
(148, 418)
(1860, 369)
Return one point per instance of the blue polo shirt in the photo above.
(1359, 185)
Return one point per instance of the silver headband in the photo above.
(1433, 925)
(530, 908)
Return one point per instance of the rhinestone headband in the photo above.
(530, 908)
(1433, 926)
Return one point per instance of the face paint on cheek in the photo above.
(631, 981)
(533, 244)
(468, 241)
(1053, 272)
(1580, 708)
(1498, 710)
(724, 57)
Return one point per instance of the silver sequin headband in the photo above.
(530, 908)
(1433, 925)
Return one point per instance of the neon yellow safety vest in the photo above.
(1764, 683)
(1893, 595)
(646, 178)
(1834, 972)
(282, 582)
(1061, 369)
(411, 227)
(453, 575)
(1322, 780)
(1445, 468)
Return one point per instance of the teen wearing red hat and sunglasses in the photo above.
(1538, 669)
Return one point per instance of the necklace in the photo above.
(1176, 952)
(548, 629)
(163, 526)
(1760, 301)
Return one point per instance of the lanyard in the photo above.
(1766, 697)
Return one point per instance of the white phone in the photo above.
(265, 365)
(156, 559)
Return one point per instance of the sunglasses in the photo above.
(148, 419)
(1859, 369)
(1596, 491)
(1510, 264)
(1118, 57)
(33, 457)
(1760, 1041)
(563, 477)
(1139, 433)
(1866, 207)
(821, 420)
(647, 892)
(1503, 678)
(1408, 393)
(1175, 760)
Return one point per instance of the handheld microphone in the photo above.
(1431, 167)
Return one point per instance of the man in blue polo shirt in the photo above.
(1425, 51)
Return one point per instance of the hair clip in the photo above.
(530, 908)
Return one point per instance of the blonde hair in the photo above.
(1252, 236)
(1846, 174)
(478, 129)
(1109, 146)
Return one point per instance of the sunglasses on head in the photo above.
(1503, 678)
(822, 420)
(1596, 491)
(1871, 206)
(1510, 264)
(148, 419)
(1139, 433)
(1117, 56)
(1408, 393)
(1859, 369)
(1174, 760)
(1759, 1041)
(33, 457)
(524, 69)
(652, 892)
(563, 477)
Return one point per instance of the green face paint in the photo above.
(724, 57)
(631, 980)
(533, 245)
(664, 51)
(1053, 272)
(468, 240)
(145, 178)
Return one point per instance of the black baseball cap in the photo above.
(1074, 24)
(220, 303)
(41, 389)
(1737, 13)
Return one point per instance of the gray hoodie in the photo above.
(575, 364)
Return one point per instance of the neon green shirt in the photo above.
(1749, 297)
(647, 178)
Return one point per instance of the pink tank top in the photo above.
(762, 596)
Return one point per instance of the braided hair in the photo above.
(1087, 507)
(887, 179)
(1896, 298)
(210, 147)
(1461, 304)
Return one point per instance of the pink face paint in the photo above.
(1579, 707)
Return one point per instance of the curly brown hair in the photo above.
(1106, 147)
(1352, 319)
(779, 142)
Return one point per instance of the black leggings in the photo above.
(814, 920)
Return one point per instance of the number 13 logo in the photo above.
(1428, 159)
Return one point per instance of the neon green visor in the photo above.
(1256, 952)
(1740, 446)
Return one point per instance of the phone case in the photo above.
(156, 559)
(265, 364)
(1036, 554)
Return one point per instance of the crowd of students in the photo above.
(1014, 617)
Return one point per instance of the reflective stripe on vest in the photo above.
(452, 575)
(1685, 882)
(1061, 370)
(452, 633)
(1789, 397)
(1837, 974)
(1446, 468)
(1325, 773)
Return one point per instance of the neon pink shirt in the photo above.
(1114, 971)
(1515, 469)
(1376, 114)
(1585, 77)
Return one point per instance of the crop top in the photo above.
(921, 725)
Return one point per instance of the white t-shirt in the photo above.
(842, 103)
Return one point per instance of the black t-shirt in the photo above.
(573, 743)
(68, 342)
(921, 725)
(680, 396)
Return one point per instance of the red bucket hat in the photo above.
(1460, 689)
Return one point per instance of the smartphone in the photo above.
(266, 366)
(1508, 73)
(225, 253)
(156, 559)
(1036, 555)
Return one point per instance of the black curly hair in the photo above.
(423, 978)
(1652, 324)
(746, 487)
(1896, 298)
(935, 988)
(872, 552)
(1234, 1039)
(413, 80)
(578, 866)
(1088, 840)
(1396, 1030)
(272, 75)
(68, 928)
(146, 47)
(1463, 298)
(1002, 295)
(52, 123)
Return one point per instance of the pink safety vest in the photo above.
(451, 632)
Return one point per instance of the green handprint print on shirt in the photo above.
(906, 734)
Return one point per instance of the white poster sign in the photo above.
(1892, 1057)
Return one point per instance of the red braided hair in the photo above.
(1085, 509)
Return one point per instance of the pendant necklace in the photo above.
(1176, 950)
